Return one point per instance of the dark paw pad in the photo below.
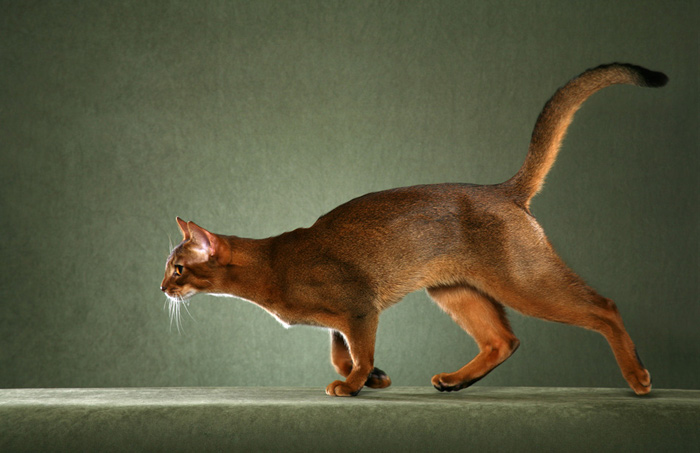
(378, 379)
(447, 388)
(377, 374)
(454, 388)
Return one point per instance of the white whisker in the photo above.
(187, 303)
(171, 311)
(173, 303)
(177, 315)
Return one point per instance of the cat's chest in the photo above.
(291, 311)
(279, 315)
(292, 317)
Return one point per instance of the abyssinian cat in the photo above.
(475, 248)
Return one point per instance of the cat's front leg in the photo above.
(342, 362)
(360, 333)
(340, 355)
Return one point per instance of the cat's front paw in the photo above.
(341, 388)
(378, 379)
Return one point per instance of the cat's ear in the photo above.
(208, 244)
(183, 228)
(205, 241)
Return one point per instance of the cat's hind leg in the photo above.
(551, 291)
(342, 362)
(485, 320)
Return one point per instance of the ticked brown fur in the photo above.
(474, 248)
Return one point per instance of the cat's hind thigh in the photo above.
(485, 320)
(557, 294)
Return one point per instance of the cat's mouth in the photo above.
(179, 293)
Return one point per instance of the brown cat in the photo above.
(474, 248)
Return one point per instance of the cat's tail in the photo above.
(558, 113)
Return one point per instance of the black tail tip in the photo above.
(652, 79)
(641, 76)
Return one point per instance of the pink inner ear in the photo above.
(183, 228)
(204, 239)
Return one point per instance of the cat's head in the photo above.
(195, 265)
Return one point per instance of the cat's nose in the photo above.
(163, 288)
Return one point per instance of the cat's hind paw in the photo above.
(641, 384)
(443, 383)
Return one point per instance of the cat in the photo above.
(474, 248)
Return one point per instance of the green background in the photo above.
(254, 118)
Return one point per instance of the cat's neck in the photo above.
(247, 271)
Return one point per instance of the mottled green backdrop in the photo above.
(253, 118)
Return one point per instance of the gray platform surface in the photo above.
(305, 419)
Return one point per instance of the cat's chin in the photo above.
(185, 298)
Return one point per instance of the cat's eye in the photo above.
(178, 270)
